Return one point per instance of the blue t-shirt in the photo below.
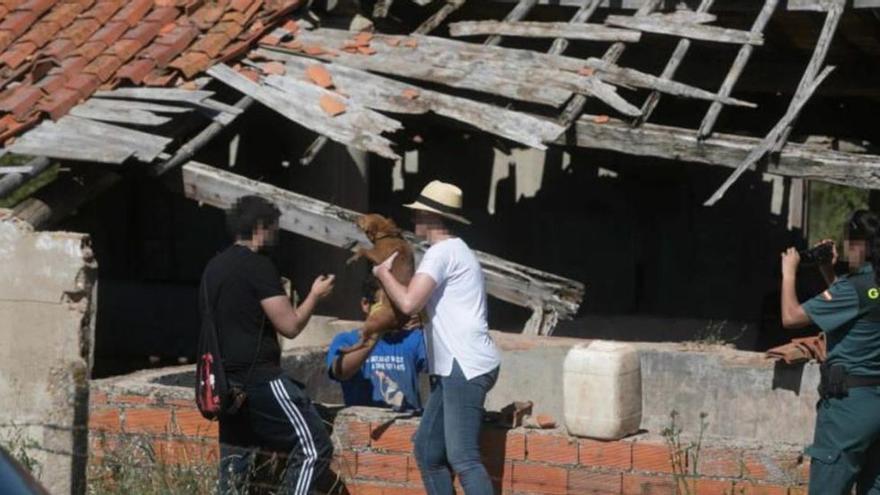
(390, 375)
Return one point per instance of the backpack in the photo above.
(216, 397)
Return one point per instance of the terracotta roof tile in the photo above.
(102, 11)
(74, 47)
(111, 32)
(20, 101)
(144, 32)
(59, 103)
(136, 71)
(92, 49)
(134, 11)
(191, 63)
(18, 22)
(80, 31)
(104, 67)
(84, 84)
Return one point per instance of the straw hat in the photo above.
(440, 198)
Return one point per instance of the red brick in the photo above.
(110, 32)
(388, 467)
(151, 420)
(583, 482)
(104, 420)
(777, 467)
(635, 484)
(102, 11)
(395, 438)
(595, 453)
(715, 487)
(651, 457)
(189, 422)
(133, 12)
(96, 397)
(21, 100)
(191, 63)
(723, 463)
(135, 71)
(553, 448)
(355, 434)
(344, 464)
(18, 22)
(59, 102)
(176, 452)
(499, 443)
(413, 474)
(540, 479)
(132, 399)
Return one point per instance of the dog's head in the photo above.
(377, 226)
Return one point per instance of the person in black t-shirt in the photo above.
(245, 292)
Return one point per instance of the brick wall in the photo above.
(374, 453)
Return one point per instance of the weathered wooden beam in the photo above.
(583, 14)
(435, 20)
(133, 116)
(726, 150)
(675, 60)
(330, 224)
(739, 63)
(10, 182)
(62, 197)
(385, 94)
(156, 94)
(574, 107)
(659, 25)
(190, 148)
(518, 13)
(832, 19)
(357, 126)
(527, 29)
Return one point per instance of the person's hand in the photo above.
(385, 265)
(415, 321)
(790, 261)
(834, 256)
(322, 286)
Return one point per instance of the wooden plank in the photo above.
(123, 104)
(739, 63)
(832, 19)
(772, 137)
(330, 224)
(146, 146)
(582, 15)
(698, 16)
(518, 13)
(675, 60)
(357, 127)
(726, 150)
(132, 116)
(650, 24)
(611, 56)
(435, 20)
(39, 142)
(384, 94)
(156, 94)
(526, 29)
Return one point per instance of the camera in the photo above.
(818, 255)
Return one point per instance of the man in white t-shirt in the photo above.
(462, 358)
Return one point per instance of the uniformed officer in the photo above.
(846, 442)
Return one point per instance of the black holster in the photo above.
(833, 381)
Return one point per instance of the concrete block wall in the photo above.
(47, 289)
(374, 453)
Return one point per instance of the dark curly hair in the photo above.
(247, 213)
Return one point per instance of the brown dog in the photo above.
(387, 239)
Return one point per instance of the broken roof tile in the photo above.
(58, 48)
(13, 58)
(71, 65)
(211, 44)
(91, 49)
(20, 101)
(331, 105)
(160, 54)
(163, 15)
(180, 37)
(125, 49)
(159, 77)
(143, 33)
(136, 71)
(80, 31)
(110, 32)
(191, 63)
(51, 84)
(230, 29)
(275, 68)
(411, 93)
(240, 5)
(208, 15)
(270, 39)
(291, 26)
(18, 22)
(366, 50)
(59, 103)
(64, 14)
(319, 75)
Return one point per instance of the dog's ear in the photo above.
(390, 227)
(369, 224)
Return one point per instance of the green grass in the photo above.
(29, 187)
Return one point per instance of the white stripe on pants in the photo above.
(305, 437)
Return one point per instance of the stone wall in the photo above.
(46, 333)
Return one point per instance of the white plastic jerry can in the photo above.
(602, 390)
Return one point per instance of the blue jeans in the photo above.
(449, 433)
(278, 418)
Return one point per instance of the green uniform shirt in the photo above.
(853, 338)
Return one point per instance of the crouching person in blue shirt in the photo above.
(385, 374)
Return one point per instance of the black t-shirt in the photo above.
(244, 279)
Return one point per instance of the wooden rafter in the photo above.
(525, 29)
(696, 31)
